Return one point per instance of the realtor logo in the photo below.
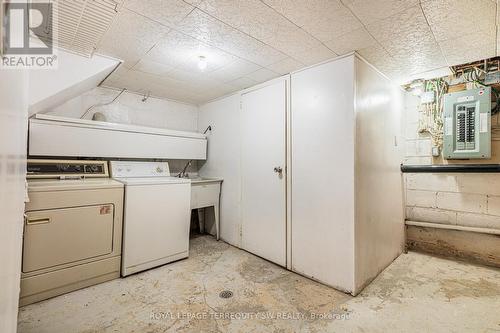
(27, 35)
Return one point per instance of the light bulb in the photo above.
(202, 63)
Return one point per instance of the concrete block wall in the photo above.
(468, 200)
(471, 200)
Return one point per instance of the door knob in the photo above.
(278, 169)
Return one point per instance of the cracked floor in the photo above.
(417, 293)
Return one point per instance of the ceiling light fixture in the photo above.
(202, 63)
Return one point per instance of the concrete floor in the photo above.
(417, 293)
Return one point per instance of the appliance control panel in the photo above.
(134, 169)
(66, 169)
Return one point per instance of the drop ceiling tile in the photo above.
(212, 94)
(196, 79)
(409, 41)
(168, 12)
(252, 17)
(194, 2)
(324, 19)
(352, 41)
(216, 33)
(234, 70)
(285, 66)
(293, 40)
(408, 25)
(378, 57)
(370, 11)
(152, 67)
(416, 55)
(314, 55)
(242, 83)
(262, 75)
(450, 19)
(182, 51)
(258, 20)
(221, 89)
(469, 48)
(130, 37)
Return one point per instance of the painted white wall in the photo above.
(224, 156)
(322, 168)
(130, 109)
(379, 227)
(74, 75)
(13, 132)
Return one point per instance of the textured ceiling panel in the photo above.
(450, 19)
(324, 19)
(371, 11)
(130, 37)
(152, 67)
(182, 51)
(167, 12)
(354, 40)
(214, 32)
(285, 66)
(234, 70)
(468, 48)
(246, 42)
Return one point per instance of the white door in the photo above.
(263, 172)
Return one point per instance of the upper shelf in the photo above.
(60, 136)
(118, 127)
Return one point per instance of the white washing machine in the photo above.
(156, 215)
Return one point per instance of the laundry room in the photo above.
(249, 166)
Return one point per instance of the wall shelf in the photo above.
(71, 137)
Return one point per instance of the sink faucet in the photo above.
(183, 173)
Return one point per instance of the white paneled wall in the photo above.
(471, 200)
(13, 130)
(130, 109)
(224, 154)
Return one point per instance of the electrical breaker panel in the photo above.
(467, 124)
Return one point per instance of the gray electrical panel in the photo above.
(467, 124)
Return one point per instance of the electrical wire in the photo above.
(104, 104)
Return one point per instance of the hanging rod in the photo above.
(451, 168)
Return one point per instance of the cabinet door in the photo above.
(263, 184)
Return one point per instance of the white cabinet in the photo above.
(346, 192)
(340, 192)
(57, 136)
